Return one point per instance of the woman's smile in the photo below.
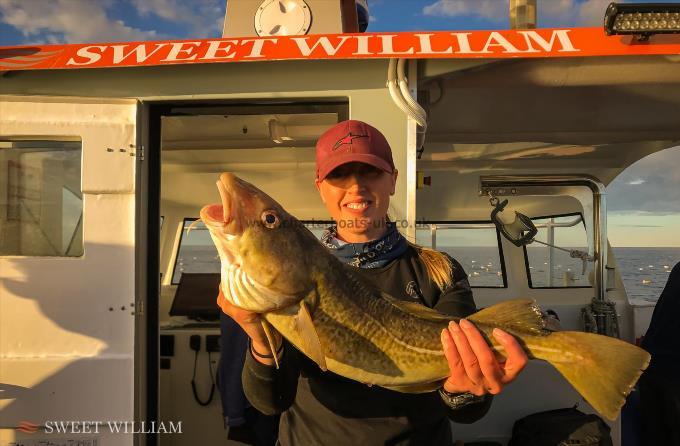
(358, 207)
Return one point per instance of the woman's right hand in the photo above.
(251, 323)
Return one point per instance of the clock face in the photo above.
(282, 18)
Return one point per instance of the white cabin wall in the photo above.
(66, 323)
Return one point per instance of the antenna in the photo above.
(522, 14)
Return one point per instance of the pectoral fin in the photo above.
(309, 338)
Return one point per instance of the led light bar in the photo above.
(642, 19)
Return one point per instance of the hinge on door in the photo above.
(139, 308)
(140, 153)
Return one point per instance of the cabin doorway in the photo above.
(267, 142)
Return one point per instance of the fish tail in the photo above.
(602, 369)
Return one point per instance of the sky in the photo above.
(643, 202)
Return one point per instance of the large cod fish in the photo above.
(273, 265)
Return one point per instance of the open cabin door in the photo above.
(67, 267)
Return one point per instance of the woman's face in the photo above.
(357, 196)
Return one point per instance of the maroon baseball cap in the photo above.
(352, 141)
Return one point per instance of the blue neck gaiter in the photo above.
(373, 254)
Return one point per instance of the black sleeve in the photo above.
(269, 390)
(457, 300)
(470, 413)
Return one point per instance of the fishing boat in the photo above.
(108, 151)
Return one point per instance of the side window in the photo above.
(555, 268)
(317, 227)
(41, 199)
(197, 253)
(476, 246)
(425, 234)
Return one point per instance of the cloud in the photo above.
(554, 12)
(205, 17)
(591, 12)
(575, 12)
(488, 9)
(649, 186)
(68, 21)
(555, 8)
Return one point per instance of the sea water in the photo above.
(644, 270)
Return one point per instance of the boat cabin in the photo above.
(107, 153)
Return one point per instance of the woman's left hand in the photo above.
(474, 367)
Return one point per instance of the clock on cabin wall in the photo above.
(282, 18)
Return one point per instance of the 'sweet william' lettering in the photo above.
(372, 45)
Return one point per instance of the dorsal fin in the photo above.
(522, 315)
(416, 309)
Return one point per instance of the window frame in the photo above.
(526, 255)
(327, 223)
(192, 219)
(78, 223)
(49, 143)
(499, 244)
(179, 246)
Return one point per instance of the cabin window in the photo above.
(196, 253)
(318, 227)
(552, 267)
(475, 245)
(41, 200)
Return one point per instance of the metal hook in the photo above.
(493, 201)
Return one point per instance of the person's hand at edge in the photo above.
(473, 364)
(251, 323)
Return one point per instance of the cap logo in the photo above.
(347, 139)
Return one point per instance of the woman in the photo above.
(355, 178)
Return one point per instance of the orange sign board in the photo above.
(567, 42)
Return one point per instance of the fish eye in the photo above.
(270, 219)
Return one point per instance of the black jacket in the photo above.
(661, 339)
(322, 408)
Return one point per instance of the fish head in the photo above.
(263, 249)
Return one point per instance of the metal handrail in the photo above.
(567, 224)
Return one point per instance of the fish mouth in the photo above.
(226, 214)
(240, 207)
(223, 219)
(225, 196)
